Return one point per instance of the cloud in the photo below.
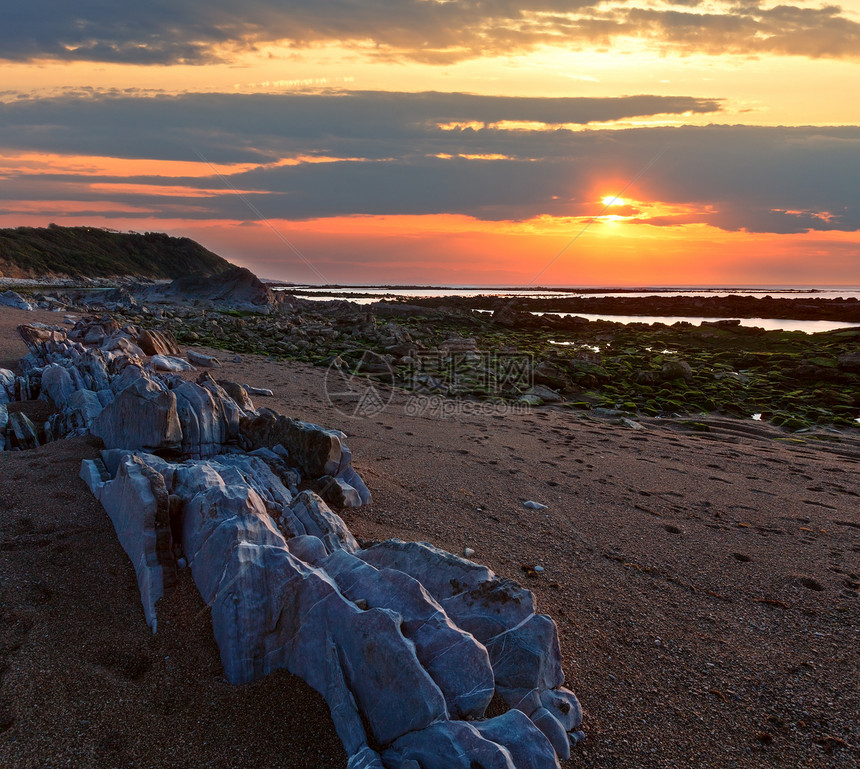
(387, 155)
(197, 32)
(235, 128)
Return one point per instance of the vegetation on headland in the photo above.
(91, 252)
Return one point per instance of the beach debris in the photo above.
(468, 552)
(532, 505)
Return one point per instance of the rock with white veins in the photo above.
(170, 363)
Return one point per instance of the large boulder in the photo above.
(57, 385)
(142, 416)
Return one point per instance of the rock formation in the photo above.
(407, 643)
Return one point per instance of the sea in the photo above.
(367, 294)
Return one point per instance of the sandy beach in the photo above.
(704, 584)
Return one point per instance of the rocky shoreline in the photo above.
(436, 348)
(408, 644)
(803, 307)
(703, 583)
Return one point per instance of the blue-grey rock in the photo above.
(4, 421)
(458, 664)
(7, 384)
(204, 425)
(253, 471)
(308, 514)
(491, 608)
(131, 373)
(202, 360)
(528, 746)
(143, 416)
(14, 299)
(57, 385)
(441, 573)
(564, 706)
(214, 522)
(137, 503)
(553, 731)
(366, 758)
(237, 393)
(532, 505)
(527, 656)
(274, 611)
(308, 548)
(92, 364)
(82, 408)
(170, 363)
(448, 745)
(21, 433)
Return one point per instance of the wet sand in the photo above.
(705, 587)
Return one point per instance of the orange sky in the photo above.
(475, 150)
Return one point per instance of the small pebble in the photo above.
(468, 552)
(539, 569)
(531, 505)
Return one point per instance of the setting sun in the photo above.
(611, 200)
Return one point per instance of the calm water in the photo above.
(381, 292)
(787, 292)
(769, 324)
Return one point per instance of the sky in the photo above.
(447, 142)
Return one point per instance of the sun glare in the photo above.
(612, 201)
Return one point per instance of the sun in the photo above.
(611, 200)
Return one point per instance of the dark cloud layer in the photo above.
(263, 128)
(758, 179)
(193, 31)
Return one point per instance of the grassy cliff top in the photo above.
(54, 251)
